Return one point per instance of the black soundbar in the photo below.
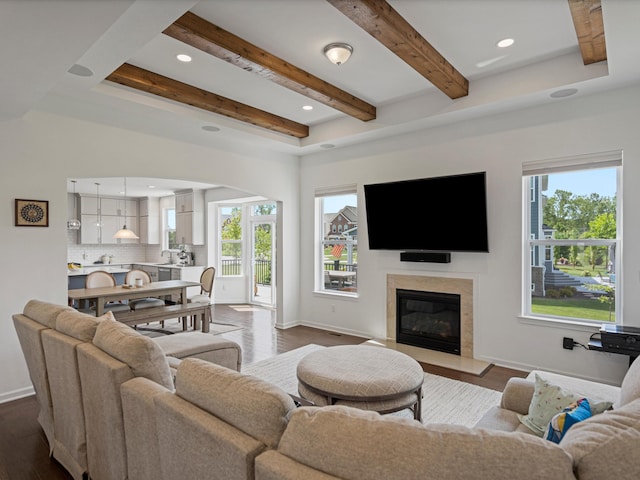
(431, 257)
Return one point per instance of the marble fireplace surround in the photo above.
(464, 362)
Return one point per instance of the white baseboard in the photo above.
(16, 394)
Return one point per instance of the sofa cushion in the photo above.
(80, 326)
(606, 445)
(351, 444)
(548, 400)
(254, 406)
(43, 312)
(144, 357)
(563, 421)
(630, 388)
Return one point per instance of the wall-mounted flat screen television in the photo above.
(438, 214)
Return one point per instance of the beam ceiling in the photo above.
(382, 22)
(209, 38)
(376, 17)
(156, 84)
(587, 19)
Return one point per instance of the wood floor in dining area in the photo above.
(23, 446)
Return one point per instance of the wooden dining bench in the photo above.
(200, 311)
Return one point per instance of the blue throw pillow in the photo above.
(560, 423)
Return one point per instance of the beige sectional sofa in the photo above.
(217, 423)
(58, 344)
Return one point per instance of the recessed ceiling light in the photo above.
(505, 42)
(307, 107)
(567, 92)
(327, 145)
(210, 128)
(151, 186)
(183, 57)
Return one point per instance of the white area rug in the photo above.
(444, 400)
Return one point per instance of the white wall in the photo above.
(497, 145)
(40, 151)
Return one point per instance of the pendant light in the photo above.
(124, 232)
(74, 223)
(98, 222)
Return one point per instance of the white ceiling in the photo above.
(41, 39)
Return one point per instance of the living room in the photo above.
(56, 139)
(41, 150)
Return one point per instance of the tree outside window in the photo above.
(230, 240)
(572, 241)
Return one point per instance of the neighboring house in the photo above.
(346, 219)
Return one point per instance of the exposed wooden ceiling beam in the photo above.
(587, 19)
(382, 22)
(155, 84)
(201, 34)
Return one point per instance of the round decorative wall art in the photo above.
(32, 213)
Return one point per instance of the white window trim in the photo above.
(608, 159)
(319, 194)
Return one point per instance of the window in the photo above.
(572, 233)
(337, 240)
(169, 229)
(230, 221)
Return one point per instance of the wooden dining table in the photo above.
(101, 295)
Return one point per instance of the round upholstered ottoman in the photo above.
(362, 376)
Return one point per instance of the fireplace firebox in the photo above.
(428, 320)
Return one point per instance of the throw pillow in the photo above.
(80, 325)
(549, 400)
(140, 353)
(563, 421)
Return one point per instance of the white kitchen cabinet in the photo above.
(116, 206)
(184, 202)
(88, 205)
(149, 221)
(190, 218)
(189, 274)
(111, 213)
(89, 229)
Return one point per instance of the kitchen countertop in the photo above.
(106, 268)
(166, 265)
(117, 268)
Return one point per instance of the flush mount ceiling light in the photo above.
(338, 53)
(124, 232)
(80, 70)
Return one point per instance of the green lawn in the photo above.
(572, 307)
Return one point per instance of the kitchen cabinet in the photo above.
(149, 221)
(110, 212)
(116, 206)
(89, 230)
(190, 217)
(152, 270)
(189, 274)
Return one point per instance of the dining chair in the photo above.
(206, 288)
(141, 303)
(99, 279)
(137, 304)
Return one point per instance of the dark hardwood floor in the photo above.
(24, 453)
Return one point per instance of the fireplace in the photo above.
(428, 319)
(462, 287)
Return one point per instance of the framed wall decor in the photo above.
(32, 213)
